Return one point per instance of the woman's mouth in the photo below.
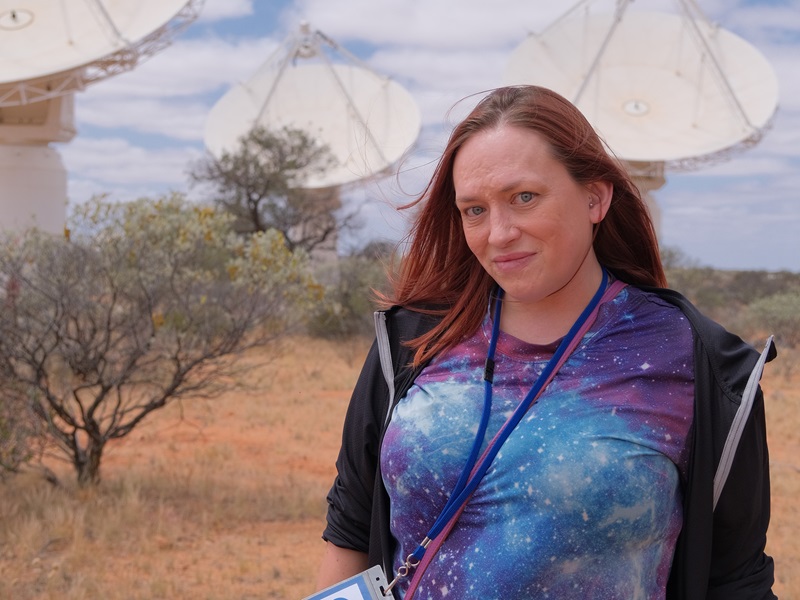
(512, 261)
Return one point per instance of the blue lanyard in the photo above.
(466, 484)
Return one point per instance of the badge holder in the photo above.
(367, 585)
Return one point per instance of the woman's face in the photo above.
(524, 217)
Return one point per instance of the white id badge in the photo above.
(367, 585)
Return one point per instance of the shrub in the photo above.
(780, 314)
(147, 302)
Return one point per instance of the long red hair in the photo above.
(440, 275)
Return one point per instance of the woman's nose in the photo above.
(502, 228)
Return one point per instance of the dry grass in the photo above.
(224, 499)
(212, 499)
(782, 391)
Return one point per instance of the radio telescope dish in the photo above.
(657, 86)
(48, 51)
(664, 90)
(367, 120)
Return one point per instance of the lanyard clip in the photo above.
(412, 560)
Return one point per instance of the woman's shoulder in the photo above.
(635, 308)
(731, 357)
(711, 332)
(673, 300)
(639, 321)
(660, 298)
(410, 322)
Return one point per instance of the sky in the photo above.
(138, 132)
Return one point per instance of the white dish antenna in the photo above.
(50, 48)
(366, 119)
(664, 90)
(48, 51)
(658, 86)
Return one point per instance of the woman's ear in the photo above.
(600, 193)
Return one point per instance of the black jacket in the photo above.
(720, 552)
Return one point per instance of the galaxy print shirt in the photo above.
(584, 498)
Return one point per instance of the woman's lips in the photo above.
(512, 261)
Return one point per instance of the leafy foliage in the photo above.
(734, 298)
(346, 308)
(260, 185)
(148, 302)
(780, 313)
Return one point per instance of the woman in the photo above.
(631, 458)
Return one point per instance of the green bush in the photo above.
(780, 315)
(348, 301)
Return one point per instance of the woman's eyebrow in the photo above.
(506, 188)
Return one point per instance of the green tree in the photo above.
(148, 302)
(780, 314)
(350, 285)
(260, 185)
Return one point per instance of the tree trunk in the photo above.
(87, 462)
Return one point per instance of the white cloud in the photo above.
(216, 10)
(118, 162)
(786, 67)
(189, 67)
(760, 22)
(178, 119)
(426, 24)
(463, 69)
(735, 241)
(783, 138)
(172, 93)
(735, 226)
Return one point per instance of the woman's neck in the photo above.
(549, 319)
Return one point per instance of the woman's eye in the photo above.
(525, 197)
(474, 211)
